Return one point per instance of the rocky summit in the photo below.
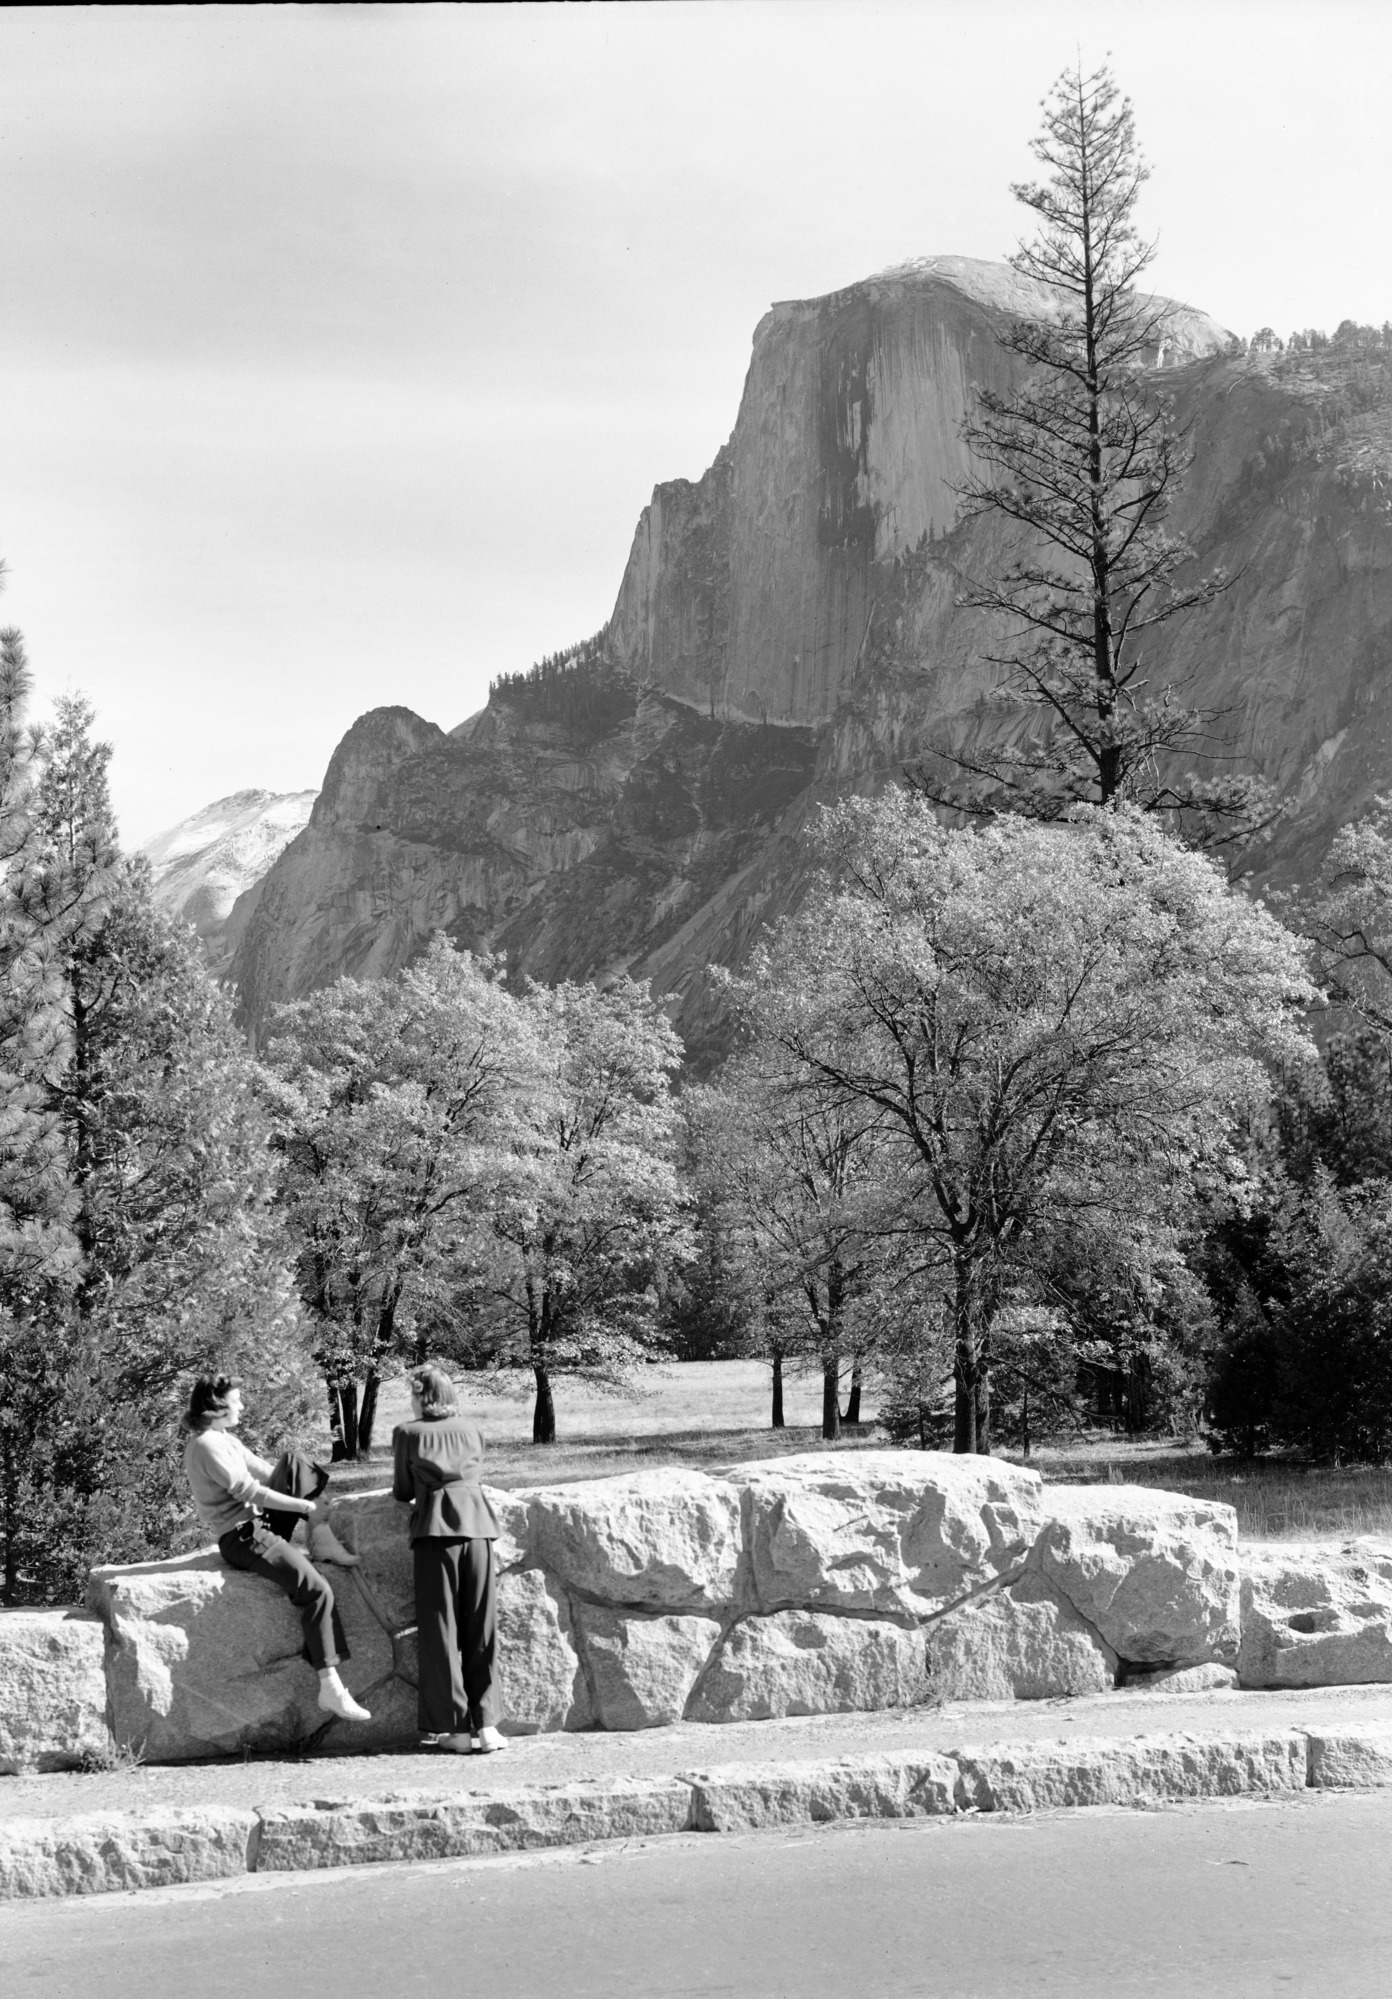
(787, 630)
(208, 869)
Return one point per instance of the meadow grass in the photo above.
(712, 1413)
(703, 1414)
(1275, 1499)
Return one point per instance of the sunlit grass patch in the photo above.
(702, 1414)
(1275, 1500)
(714, 1413)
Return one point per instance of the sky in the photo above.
(342, 346)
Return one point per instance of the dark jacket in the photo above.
(437, 1462)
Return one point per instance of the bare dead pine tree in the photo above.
(1085, 459)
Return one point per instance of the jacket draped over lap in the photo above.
(437, 1464)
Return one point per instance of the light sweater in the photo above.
(226, 1480)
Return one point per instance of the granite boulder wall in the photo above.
(803, 1585)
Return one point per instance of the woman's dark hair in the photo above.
(208, 1399)
(436, 1392)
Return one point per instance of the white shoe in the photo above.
(488, 1742)
(325, 1546)
(457, 1745)
(335, 1699)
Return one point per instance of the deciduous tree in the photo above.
(591, 1217)
(1052, 1023)
(1347, 915)
(804, 1186)
(397, 1103)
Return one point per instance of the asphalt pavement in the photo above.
(1246, 1899)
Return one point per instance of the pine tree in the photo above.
(1083, 461)
(156, 1164)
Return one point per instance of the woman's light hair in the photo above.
(436, 1392)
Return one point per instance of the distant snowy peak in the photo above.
(205, 863)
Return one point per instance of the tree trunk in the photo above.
(367, 1412)
(1024, 1423)
(776, 1422)
(971, 1371)
(544, 1413)
(343, 1419)
(852, 1414)
(831, 1398)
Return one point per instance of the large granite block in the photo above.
(888, 1531)
(1155, 1573)
(52, 1690)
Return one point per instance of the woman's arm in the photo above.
(225, 1462)
(403, 1485)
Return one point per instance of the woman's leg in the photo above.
(263, 1553)
(478, 1632)
(442, 1708)
(302, 1478)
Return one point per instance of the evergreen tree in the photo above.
(1082, 461)
(156, 1162)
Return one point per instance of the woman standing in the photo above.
(250, 1508)
(438, 1458)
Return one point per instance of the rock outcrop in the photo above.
(787, 630)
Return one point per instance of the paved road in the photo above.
(1243, 1900)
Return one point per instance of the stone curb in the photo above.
(103, 1852)
(100, 1852)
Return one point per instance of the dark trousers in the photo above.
(456, 1635)
(262, 1548)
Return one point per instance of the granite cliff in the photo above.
(786, 629)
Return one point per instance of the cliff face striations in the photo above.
(575, 854)
(786, 630)
(751, 594)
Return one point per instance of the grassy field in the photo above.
(701, 1414)
(716, 1413)
(1275, 1500)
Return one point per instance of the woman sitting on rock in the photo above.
(437, 1461)
(251, 1507)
